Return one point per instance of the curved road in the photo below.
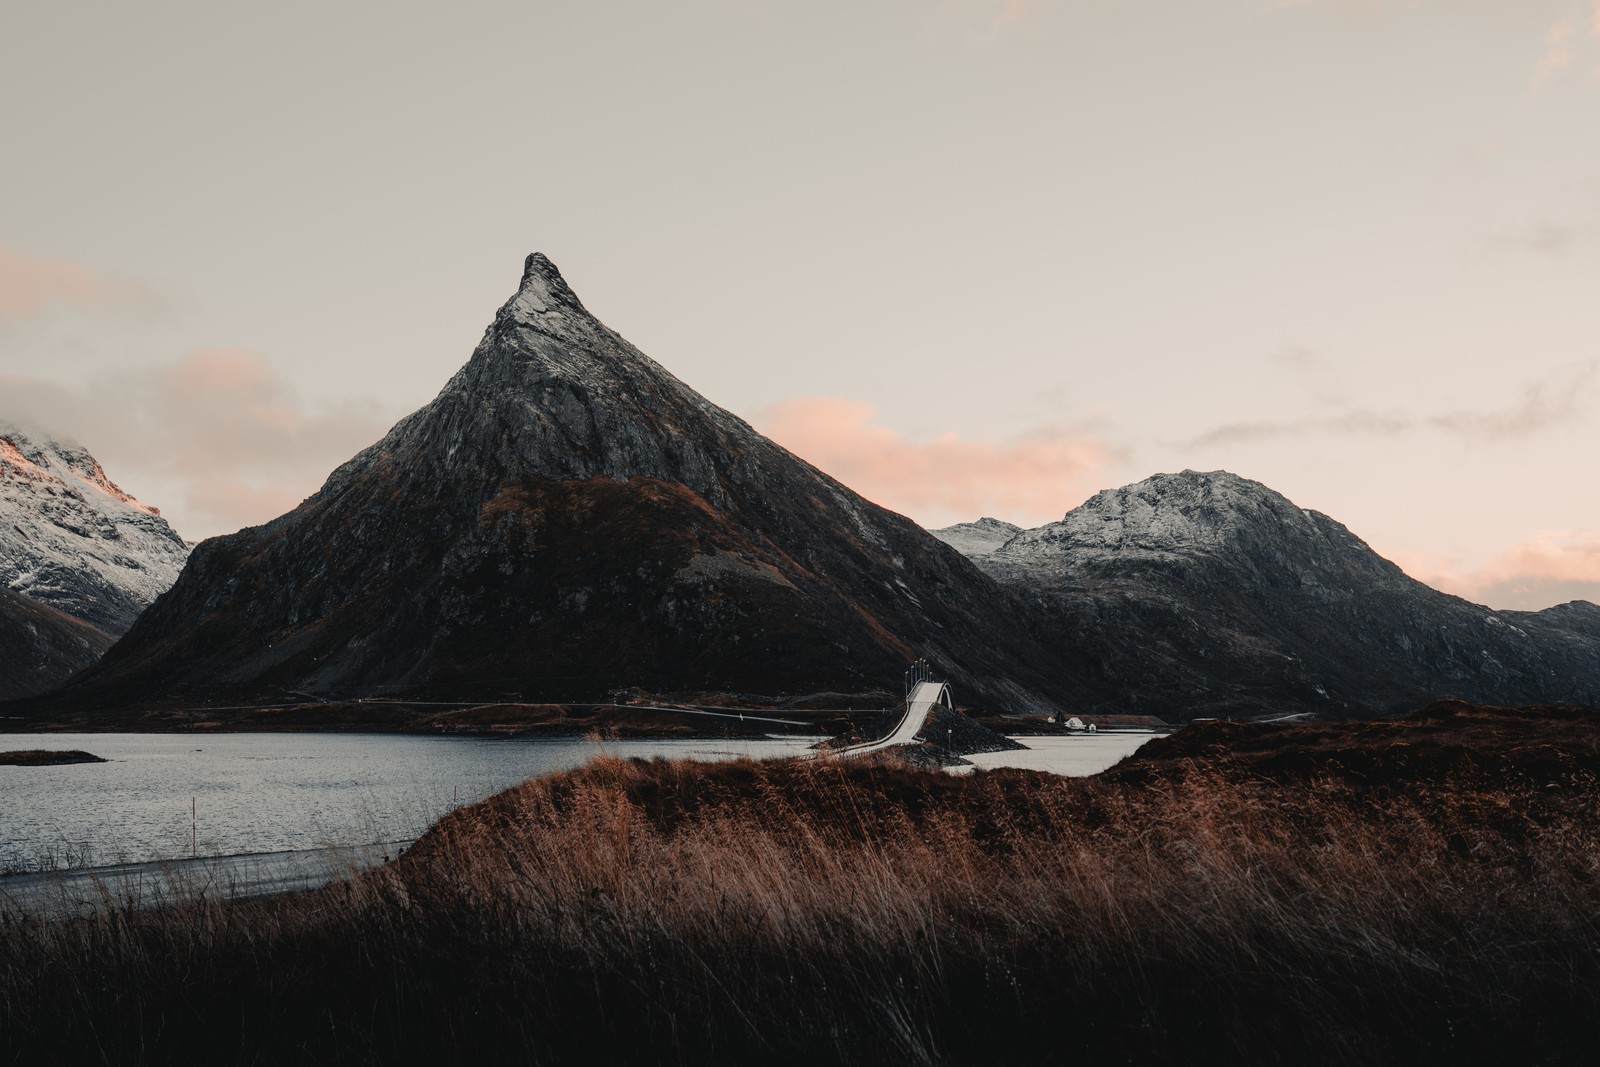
(924, 698)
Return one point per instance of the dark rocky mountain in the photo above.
(40, 647)
(79, 560)
(1208, 594)
(564, 520)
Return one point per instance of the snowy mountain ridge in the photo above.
(1165, 516)
(973, 539)
(71, 539)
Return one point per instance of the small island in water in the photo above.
(38, 757)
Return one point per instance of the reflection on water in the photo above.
(276, 792)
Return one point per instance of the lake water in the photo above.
(281, 792)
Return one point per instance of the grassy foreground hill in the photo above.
(1426, 890)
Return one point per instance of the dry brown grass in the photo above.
(825, 912)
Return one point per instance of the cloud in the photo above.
(1032, 479)
(1011, 11)
(1542, 406)
(1296, 357)
(1548, 568)
(997, 15)
(1565, 42)
(1548, 238)
(215, 439)
(31, 286)
(1557, 55)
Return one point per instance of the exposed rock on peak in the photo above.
(1176, 519)
(1172, 513)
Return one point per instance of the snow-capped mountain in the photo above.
(72, 540)
(566, 519)
(1207, 593)
(973, 539)
(79, 560)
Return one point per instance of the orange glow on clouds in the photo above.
(31, 285)
(217, 438)
(1028, 481)
(1546, 569)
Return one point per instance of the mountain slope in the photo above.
(1197, 594)
(566, 519)
(72, 540)
(40, 647)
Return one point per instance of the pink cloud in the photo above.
(31, 285)
(1558, 50)
(1547, 568)
(1011, 11)
(1029, 480)
(216, 439)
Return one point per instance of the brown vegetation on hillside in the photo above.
(850, 912)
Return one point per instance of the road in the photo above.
(94, 889)
(924, 698)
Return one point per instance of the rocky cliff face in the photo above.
(566, 519)
(1204, 594)
(79, 560)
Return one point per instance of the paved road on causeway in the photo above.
(924, 698)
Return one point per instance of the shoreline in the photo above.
(1414, 890)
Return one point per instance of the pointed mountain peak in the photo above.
(543, 279)
(545, 302)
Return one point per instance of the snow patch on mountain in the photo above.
(72, 539)
(1165, 517)
(974, 539)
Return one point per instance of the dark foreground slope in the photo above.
(840, 913)
(1200, 594)
(564, 520)
(1549, 748)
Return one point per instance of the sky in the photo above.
(972, 257)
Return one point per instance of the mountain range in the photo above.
(1209, 594)
(567, 519)
(566, 522)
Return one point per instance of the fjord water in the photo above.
(280, 792)
(272, 792)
